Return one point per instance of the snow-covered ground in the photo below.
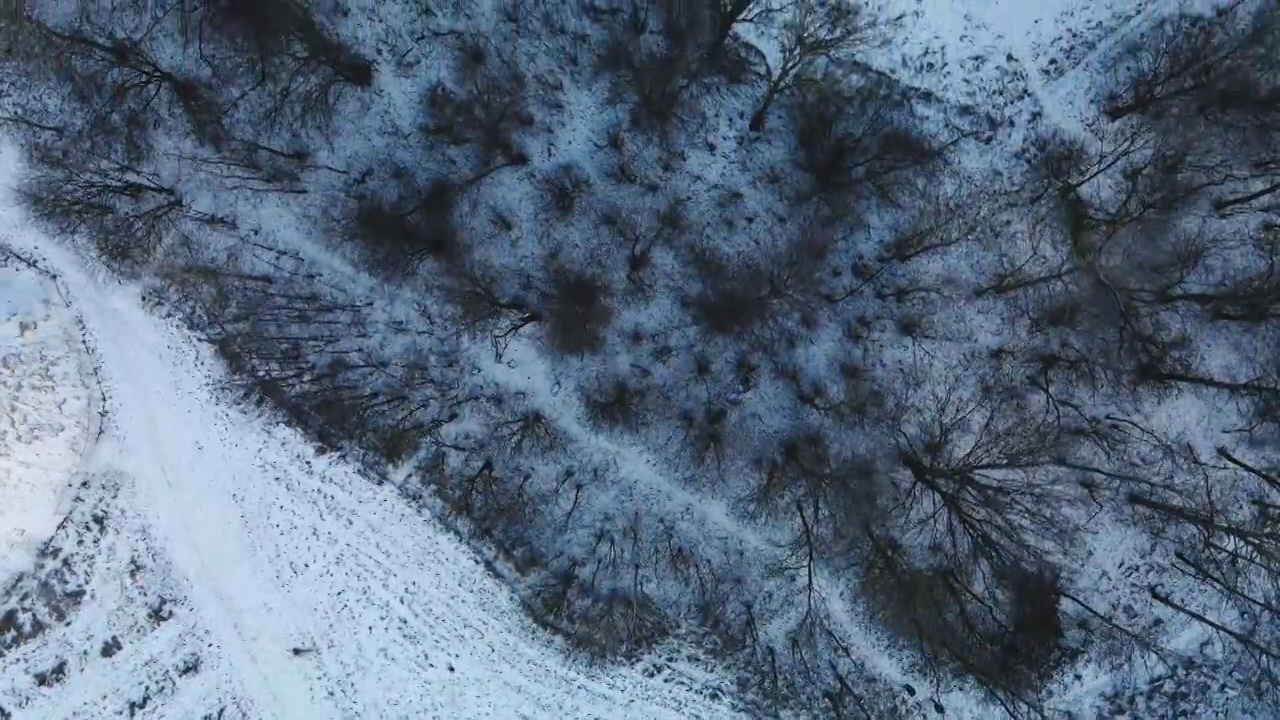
(1016, 61)
(45, 415)
(214, 565)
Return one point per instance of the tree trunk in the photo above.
(758, 117)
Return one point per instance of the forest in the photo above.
(708, 332)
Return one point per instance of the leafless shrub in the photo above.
(816, 31)
(577, 311)
(858, 139)
(673, 218)
(416, 225)
(731, 300)
(486, 111)
(629, 232)
(565, 185)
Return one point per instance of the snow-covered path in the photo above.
(269, 549)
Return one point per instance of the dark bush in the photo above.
(578, 312)
(731, 300)
(415, 226)
(565, 185)
(859, 138)
(603, 622)
(486, 112)
(1005, 631)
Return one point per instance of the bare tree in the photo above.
(858, 138)
(130, 212)
(1208, 83)
(119, 79)
(577, 310)
(409, 225)
(816, 31)
(317, 357)
(725, 16)
(961, 551)
(1174, 62)
(1224, 539)
(485, 109)
(289, 34)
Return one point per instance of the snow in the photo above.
(259, 546)
(21, 298)
(44, 415)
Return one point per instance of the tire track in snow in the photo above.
(176, 488)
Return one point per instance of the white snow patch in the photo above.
(44, 420)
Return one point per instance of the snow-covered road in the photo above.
(300, 588)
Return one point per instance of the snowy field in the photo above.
(217, 567)
(45, 418)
